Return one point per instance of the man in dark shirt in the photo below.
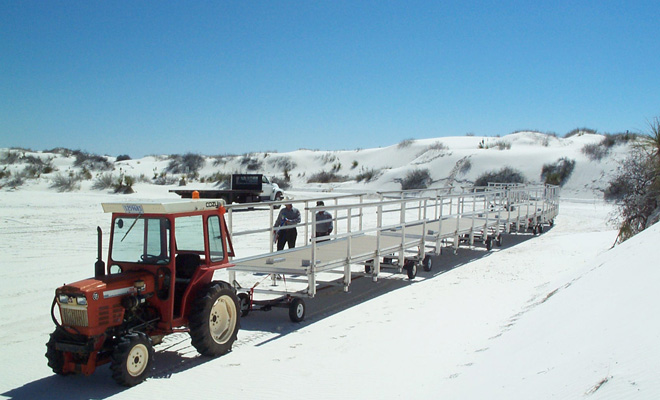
(285, 225)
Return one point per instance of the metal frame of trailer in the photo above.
(397, 235)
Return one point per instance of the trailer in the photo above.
(401, 232)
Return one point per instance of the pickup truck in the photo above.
(245, 188)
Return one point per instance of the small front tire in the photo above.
(132, 358)
(56, 357)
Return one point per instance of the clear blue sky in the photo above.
(218, 77)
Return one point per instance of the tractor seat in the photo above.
(186, 264)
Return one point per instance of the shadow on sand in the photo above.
(257, 329)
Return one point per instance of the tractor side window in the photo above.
(189, 234)
(144, 240)
(215, 239)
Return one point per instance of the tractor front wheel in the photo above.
(214, 320)
(55, 357)
(132, 358)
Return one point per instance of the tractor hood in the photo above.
(111, 286)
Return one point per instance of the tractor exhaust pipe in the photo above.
(99, 266)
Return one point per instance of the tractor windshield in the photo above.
(142, 240)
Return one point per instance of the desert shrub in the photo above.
(63, 151)
(91, 162)
(581, 131)
(611, 140)
(5, 173)
(354, 164)
(188, 164)
(164, 179)
(326, 177)
(283, 163)
(327, 158)
(220, 179)
(65, 182)
(559, 172)
(283, 183)
(636, 186)
(405, 143)
(504, 175)
(10, 157)
(416, 179)
(465, 166)
(367, 175)
(14, 181)
(502, 145)
(251, 163)
(438, 146)
(123, 157)
(595, 151)
(104, 181)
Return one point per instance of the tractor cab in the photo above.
(181, 243)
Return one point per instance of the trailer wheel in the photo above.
(489, 243)
(244, 304)
(214, 320)
(540, 229)
(56, 357)
(427, 263)
(534, 230)
(411, 269)
(498, 241)
(297, 310)
(132, 358)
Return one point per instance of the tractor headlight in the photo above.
(81, 300)
(64, 299)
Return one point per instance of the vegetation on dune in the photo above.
(504, 175)
(558, 172)
(636, 186)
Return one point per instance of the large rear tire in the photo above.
(214, 320)
(132, 358)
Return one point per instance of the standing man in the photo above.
(286, 221)
(323, 222)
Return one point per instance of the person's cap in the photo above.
(320, 203)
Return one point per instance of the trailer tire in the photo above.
(499, 240)
(411, 269)
(56, 357)
(214, 320)
(297, 310)
(427, 263)
(489, 243)
(244, 304)
(540, 229)
(131, 359)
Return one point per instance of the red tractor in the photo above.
(159, 280)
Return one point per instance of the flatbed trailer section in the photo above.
(379, 232)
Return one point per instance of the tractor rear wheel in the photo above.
(132, 358)
(214, 320)
(55, 357)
